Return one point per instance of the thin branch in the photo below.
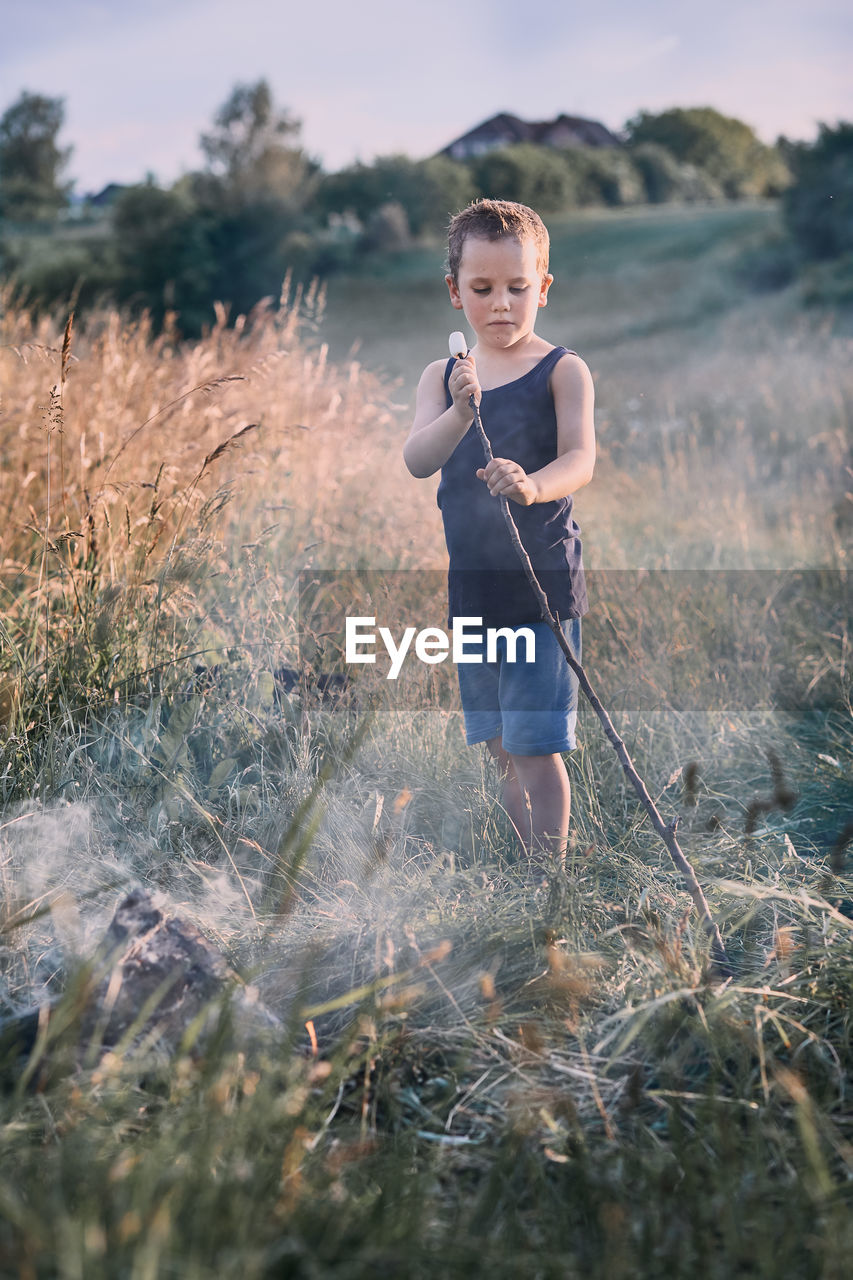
(665, 830)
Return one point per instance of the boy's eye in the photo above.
(521, 288)
(480, 291)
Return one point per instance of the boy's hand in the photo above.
(507, 478)
(462, 384)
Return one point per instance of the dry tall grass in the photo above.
(152, 468)
(536, 1078)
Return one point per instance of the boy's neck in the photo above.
(495, 367)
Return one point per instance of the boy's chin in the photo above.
(501, 333)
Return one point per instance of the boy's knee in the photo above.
(503, 760)
(532, 767)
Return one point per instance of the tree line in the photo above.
(260, 205)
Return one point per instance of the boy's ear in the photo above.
(547, 281)
(453, 288)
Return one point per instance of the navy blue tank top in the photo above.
(485, 578)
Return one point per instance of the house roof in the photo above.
(107, 195)
(504, 129)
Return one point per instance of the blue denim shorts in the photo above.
(531, 706)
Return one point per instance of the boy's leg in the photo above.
(536, 713)
(539, 711)
(513, 798)
(545, 782)
(537, 796)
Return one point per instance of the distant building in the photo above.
(504, 129)
(107, 197)
(92, 205)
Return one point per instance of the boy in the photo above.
(537, 409)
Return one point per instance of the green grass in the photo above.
(514, 1074)
(619, 276)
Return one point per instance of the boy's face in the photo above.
(500, 289)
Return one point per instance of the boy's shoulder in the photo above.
(570, 371)
(562, 360)
(433, 374)
(436, 366)
(568, 357)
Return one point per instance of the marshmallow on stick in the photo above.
(458, 345)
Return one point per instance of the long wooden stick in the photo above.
(665, 830)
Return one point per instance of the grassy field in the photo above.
(619, 277)
(480, 1071)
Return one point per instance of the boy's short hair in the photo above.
(492, 220)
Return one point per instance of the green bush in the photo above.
(387, 229)
(724, 147)
(83, 273)
(660, 172)
(527, 173)
(165, 254)
(428, 191)
(666, 180)
(769, 264)
(829, 283)
(605, 176)
(818, 206)
(183, 250)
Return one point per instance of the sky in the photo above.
(142, 82)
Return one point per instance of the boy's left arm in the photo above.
(574, 403)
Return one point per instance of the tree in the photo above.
(250, 204)
(251, 151)
(726, 148)
(31, 162)
(229, 232)
(163, 253)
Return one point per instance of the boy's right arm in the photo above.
(437, 430)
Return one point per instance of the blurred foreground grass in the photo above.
(503, 1074)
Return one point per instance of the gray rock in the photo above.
(155, 982)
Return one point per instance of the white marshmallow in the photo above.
(458, 346)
